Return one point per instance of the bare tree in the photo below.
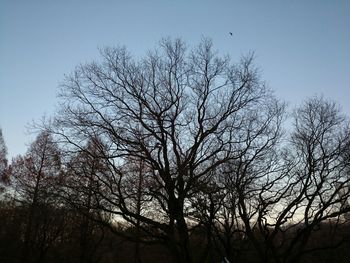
(248, 177)
(308, 189)
(181, 114)
(320, 139)
(79, 189)
(34, 177)
(3, 159)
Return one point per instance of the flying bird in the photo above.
(231, 33)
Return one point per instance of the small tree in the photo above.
(309, 189)
(80, 189)
(3, 159)
(34, 177)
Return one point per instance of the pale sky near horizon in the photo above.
(302, 47)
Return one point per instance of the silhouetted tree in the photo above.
(3, 159)
(307, 188)
(179, 156)
(34, 178)
(81, 192)
(181, 114)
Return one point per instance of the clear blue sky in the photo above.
(302, 47)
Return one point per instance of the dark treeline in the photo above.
(181, 156)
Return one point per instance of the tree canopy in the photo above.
(186, 150)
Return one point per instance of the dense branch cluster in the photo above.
(185, 150)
